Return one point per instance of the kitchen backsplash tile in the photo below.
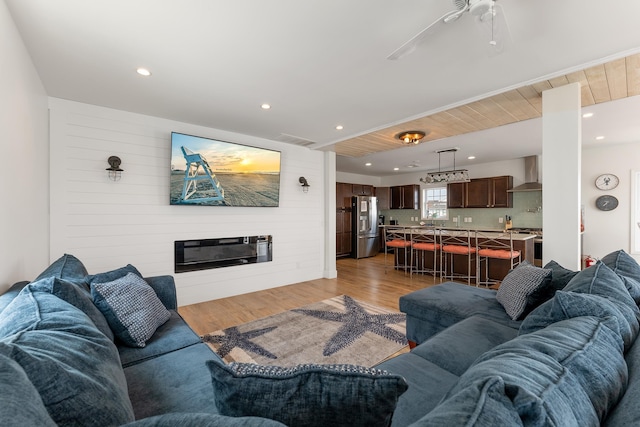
(526, 212)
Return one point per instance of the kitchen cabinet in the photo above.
(456, 193)
(362, 190)
(405, 197)
(382, 193)
(489, 192)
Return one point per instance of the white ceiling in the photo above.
(323, 63)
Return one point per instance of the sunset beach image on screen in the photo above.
(211, 172)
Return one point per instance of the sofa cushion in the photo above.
(310, 395)
(66, 267)
(601, 280)
(458, 346)
(428, 383)
(483, 403)
(20, 403)
(110, 276)
(567, 305)
(433, 309)
(74, 366)
(628, 269)
(560, 276)
(524, 288)
(77, 296)
(173, 335)
(131, 308)
(154, 384)
(203, 420)
(627, 412)
(570, 373)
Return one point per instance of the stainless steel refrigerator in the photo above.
(364, 215)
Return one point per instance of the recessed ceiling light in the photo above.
(471, 157)
(143, 72)
(339, 127)
(265, 106)
(587, 115)
(367, 164)
(599, 138)
(396, 169)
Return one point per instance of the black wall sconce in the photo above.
(305, 185)
(114, 171)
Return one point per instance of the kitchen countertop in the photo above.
(488, 233)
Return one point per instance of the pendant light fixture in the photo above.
(454, 175)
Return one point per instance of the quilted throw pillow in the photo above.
(307, 395)
(523, 289)
(131, 308)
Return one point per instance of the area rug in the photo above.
(334, 331)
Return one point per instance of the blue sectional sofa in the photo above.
(567, 356)
(570, 359)
(61, 365)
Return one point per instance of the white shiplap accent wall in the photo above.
(109, 224)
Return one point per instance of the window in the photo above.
(434, 203)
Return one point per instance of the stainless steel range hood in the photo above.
(530, 176)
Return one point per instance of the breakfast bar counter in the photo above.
(497, 268)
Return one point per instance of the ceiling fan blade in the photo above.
(410, 45)
(495, 29)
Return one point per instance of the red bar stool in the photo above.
(454, 243)
(498, 246)
(396, 238)
(425, 246)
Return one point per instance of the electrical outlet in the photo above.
(470, 219)
(500, 220)
(455, 219)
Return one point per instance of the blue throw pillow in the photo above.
(66, 267)
(307, 395)
(110, 276)
(483, 403)
(601, 280)
(20, 403)
(567, 305)
(569, 374)
(523, 289)
(628, 269)
(76, 296)
(74, 367)
(560, 276)
(131, 308)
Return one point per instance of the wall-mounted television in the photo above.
(210, 172)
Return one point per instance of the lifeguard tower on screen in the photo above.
(193, 177)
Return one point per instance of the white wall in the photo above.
(109, 224)
(24, 232)
(354, 178)
(608, 231)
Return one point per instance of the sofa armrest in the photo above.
(165, 288)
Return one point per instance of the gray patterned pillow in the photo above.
(523, 289)
(131, 308)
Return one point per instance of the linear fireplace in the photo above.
(191, 255)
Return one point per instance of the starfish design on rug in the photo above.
(356, 321)
(233, 338)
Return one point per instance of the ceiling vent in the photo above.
(296, 140)
(530, 176)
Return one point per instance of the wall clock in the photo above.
(606, 203)
(607, 181)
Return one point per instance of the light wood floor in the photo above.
(363, 279)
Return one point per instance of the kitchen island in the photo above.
(497, 268)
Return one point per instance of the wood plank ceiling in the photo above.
(601, 83)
